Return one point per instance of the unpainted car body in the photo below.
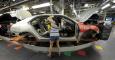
(32, 26)
(28, 25)
(41, 34)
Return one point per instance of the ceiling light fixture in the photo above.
(105, 6)
(41, 5)
(86, 5)
(113, 1)
(113, 6)
(13, 0)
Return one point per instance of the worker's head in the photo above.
(50, 17)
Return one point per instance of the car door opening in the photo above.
(42, 26)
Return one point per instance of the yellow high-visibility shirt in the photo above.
(49, 27)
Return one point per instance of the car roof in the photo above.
(29, 18)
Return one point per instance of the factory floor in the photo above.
(7, 53)
(106, 52)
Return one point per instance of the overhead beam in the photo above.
(19, 3)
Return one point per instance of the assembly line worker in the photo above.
(54, 35)
(84, 27)
(15, 40)
(48, 23)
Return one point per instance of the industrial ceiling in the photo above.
(79, 5)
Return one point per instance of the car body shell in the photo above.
(25, 26)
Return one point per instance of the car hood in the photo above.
(84, 16)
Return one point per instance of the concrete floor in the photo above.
(109, 47)
(25, 54)
(108, 52)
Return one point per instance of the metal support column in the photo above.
(105, 14)
(73, 9)
(62, 7)
(51, 8)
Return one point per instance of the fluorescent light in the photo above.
(42, 12)
(41, 5)
(113, 1)
(86, 5)
(113, 6)
(107, 5)
(13, 0)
